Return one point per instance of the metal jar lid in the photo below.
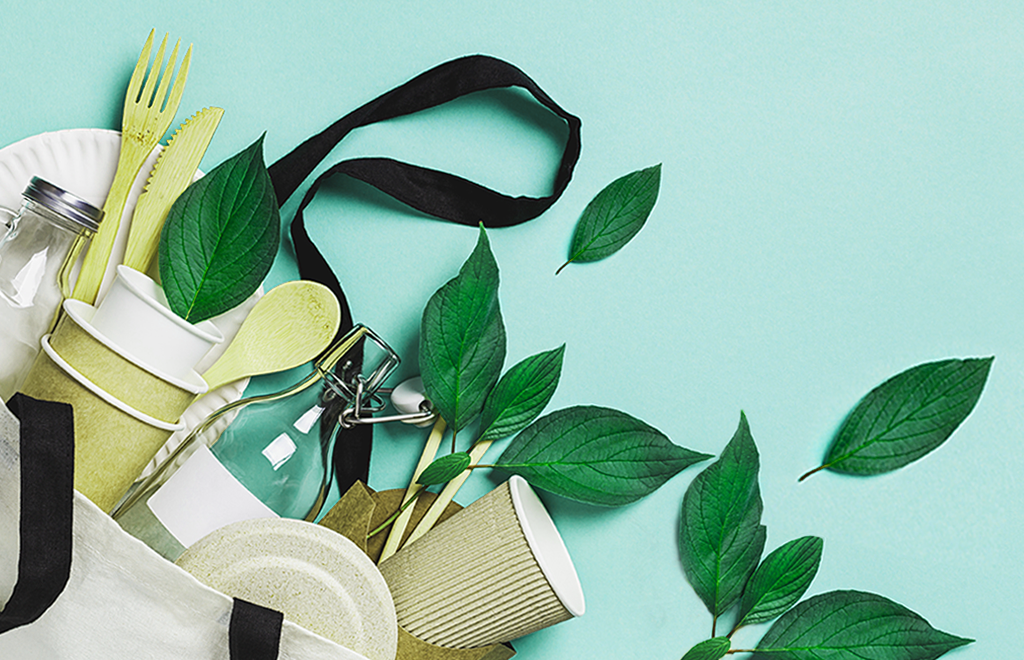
(66, 204)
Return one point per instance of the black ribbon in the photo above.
(255, 632)
(47, 481)
(436, 193)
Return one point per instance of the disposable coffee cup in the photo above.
(493, 572)
(113, 440)
(115, 371)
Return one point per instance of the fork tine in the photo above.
(179, 83)
(165, 79)
(138, 74)
(154, 73)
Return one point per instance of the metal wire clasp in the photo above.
(363, 394)
(366, 404)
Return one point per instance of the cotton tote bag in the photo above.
(74, 586)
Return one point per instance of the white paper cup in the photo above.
(495, 571)
(115, 371)
(134, 316)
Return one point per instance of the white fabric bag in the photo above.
(121, 600)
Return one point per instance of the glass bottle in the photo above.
(36, 254)
(261, 456)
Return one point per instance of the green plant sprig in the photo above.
(721, 539)
(586, 453)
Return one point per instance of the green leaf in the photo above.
(906, 417)
(220, 237)
(462, 339)
(710, 649)
(853, 625)
(520, 395)
(444, 469)
(595, 455)
(615, 215)
(721, 537)
(780, 580)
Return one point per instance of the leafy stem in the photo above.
(395, 515)
(721, 541)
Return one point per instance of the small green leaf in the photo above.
(906, 417)
(615, 215)
(721, 537)
(444, 469)
(595, 455)
(853, 625)
(220, 237)
(710, 649)
(520, 395)
(780, 580)
(462, 339)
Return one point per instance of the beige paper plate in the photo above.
(318, 578)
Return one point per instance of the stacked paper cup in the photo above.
(495, 571)
(128, 394)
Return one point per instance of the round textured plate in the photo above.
(83, 161)
(317, 577)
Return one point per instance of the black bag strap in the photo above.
(47, 457)
(47, 442)
(436, 193)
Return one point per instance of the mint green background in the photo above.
(842, 195)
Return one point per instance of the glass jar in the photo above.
(42, 242)
(262, 456)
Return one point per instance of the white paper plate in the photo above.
(317, 577)
(83, 161)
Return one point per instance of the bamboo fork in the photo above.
(145, 120)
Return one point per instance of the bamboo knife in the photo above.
(173, 172)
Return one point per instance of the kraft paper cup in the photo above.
(134, 315)
(113, 441)
(112, 369)
(495, 571)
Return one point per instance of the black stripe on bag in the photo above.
(47, 482)
(255, 632)
(436, 193)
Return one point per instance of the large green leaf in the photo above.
(462, 339)
(521, 394)
(720, 535)
(615, 215)
(906, 417)
(853, 625)
(595, 455)
(715, 648)
(220, 237)
(780, 580)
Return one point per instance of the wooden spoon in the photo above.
(289, 326)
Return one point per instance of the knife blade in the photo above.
(173, 172)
